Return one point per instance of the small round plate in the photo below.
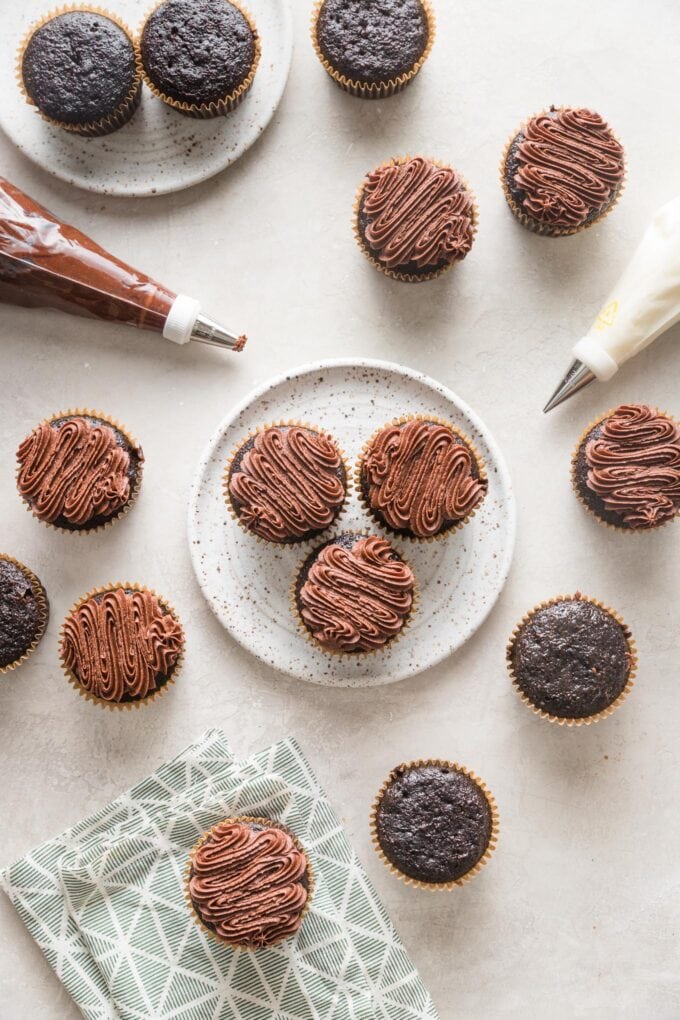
(247, 583)
(159, 150)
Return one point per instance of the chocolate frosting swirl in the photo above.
(248, 883)
(417, 213)
(634, 465)
(354, 599)
(570, 167)
(75, 471)
(420, 479)
(121, 645)
(290, 483)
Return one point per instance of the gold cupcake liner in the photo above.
(477, 457)
(119, 705)
(577, 491)
(217, 107)
(187, 876)
(251, 435)
(632, 669)
(374, 90)
(79, 412)
(543, 230)
(38, 590)
(393, 273)
(493, 837)
(95, 128)
(306, 632)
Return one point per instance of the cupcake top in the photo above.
(249, 882)
(23, 611)
(198, 51)
(121, 644)
(78, 471)
(433, 822)
(78, 67)
(420, 478)
(287, 483)
(415, 217)
(571, 658)
(372, 40)
(355, 593)
(565, 168)
(627, 468)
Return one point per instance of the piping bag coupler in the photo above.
(47, 263)
(643, 305)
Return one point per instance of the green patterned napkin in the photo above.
(104, 901)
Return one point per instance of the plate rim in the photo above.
(310, 368)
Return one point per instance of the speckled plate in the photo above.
(159, 150)
(247, 582)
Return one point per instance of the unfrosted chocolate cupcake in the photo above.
(79, 68)
(24, 611)
(249, 882)
(199, 56)
(434, 823)
(420, 478)
(626, 468)
(415, 218)
(563, 171)
(287, 483)
(572, 659)
(354, 594)
(372, 48)
(79, 471)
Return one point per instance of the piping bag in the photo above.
(643, 305)
(46, 263)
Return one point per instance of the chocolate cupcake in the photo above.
(354, 594)
(249, 882)
(372, 48)
(626, 468)
(199, 56)
(121, 645)
(24, 611)
(420, 477)
(414, 218)
(563, 171)
(572, 659)
(434, 824)
(78, 66)
(79, 471)
(286, 482)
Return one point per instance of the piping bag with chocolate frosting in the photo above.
(643, 305)
(47, 263)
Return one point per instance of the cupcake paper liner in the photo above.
(544, 230)
(493, 837)
(119, 705)
(479, 460)
(374, 90)
(302, 626)
(216, 107)
(187, 876)
(80, 412)
(393, 273)
(564, 720)
(300, 542)
(122, 114)
(40, 593)
(577, 491)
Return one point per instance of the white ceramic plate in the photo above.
(159, 150)
(247, 583)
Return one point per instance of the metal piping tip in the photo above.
(207, 331)
(577, 376)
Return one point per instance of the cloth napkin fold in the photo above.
(104, 901)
